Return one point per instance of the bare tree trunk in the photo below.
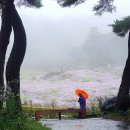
(123, 94)
(4, 41)
(14, 63)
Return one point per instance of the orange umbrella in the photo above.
(84, 94)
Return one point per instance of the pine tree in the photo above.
(11, 19)
(121, 27)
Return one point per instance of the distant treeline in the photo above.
(102, 49)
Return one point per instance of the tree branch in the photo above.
(104, 6)
(121, 27)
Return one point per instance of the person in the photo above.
(82, 102)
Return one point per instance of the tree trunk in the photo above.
(123, 94)
(4, 41)
(14, 63)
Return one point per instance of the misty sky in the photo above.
(54, 32)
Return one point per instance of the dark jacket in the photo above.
(82, 102)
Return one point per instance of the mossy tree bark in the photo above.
(14, 63)
(123, 94)
(11, 18)
(4, 41)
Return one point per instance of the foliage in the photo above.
(36, 3)
(21, 122)
(101, 7)
(118, 115)
(65, 3)
(29, 3)
(121, 27)
(95, 108)
(104, 6)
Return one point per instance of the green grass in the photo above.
(118, 115)
(33, 125)
(21, 122)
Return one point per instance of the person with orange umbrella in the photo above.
(82, 98)
(82, 101)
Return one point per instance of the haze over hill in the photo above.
(69, 48)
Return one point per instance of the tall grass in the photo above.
(20, 121)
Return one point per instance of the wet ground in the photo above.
(85, 124)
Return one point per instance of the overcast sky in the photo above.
(52, 31)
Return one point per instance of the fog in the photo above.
(61, 37)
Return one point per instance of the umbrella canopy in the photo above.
(84, 94)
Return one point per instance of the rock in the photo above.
(109, 105)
